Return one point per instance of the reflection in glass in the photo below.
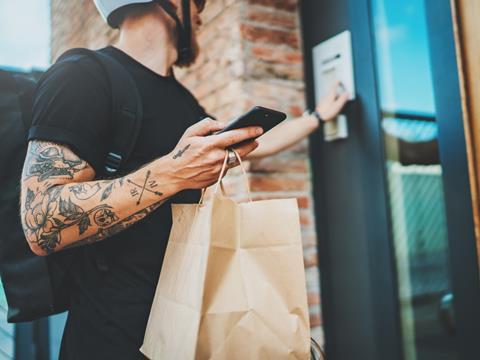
(414, 177)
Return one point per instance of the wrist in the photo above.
(314, 116)
(318, 116)
(164, 172)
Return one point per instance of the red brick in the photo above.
(277, 183)
(288, 5)
(279, 165)
(313, 298)
(311, 260)
(305, 218)
(303, 202)
(270, 36)
(282, 20)
(315, 320)
(260, 69)
(277, 55)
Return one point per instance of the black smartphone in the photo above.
(258, 116)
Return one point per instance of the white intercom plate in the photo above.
(333, 61)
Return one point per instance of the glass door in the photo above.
(414, 177)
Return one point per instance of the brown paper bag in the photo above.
(232, 285)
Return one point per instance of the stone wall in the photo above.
(251, 55)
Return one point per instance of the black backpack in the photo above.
(37, 286)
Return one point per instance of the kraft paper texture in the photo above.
(232, 285)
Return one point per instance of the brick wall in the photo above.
(251, 56)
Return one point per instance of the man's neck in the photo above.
(150, 45)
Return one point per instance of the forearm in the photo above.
(284, 136)
(62, 205)
(65, 215)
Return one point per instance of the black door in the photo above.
(396, 239)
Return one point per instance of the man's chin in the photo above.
(190, 60)
(185, 63)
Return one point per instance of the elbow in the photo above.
(35, 248)
(43, 244)
(33, 243)
(38, 252)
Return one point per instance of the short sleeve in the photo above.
(71, 106)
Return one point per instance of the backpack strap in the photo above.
(127, 109)
(127, 116)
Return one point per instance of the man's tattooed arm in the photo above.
(49, 161)
(104, 233)
(62, 206)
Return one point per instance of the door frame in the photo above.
(464, 271)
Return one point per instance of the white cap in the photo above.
(107, 7)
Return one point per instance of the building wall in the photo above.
(251, 56)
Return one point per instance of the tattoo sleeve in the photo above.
(104, 233)
(62, 206)
(49, 161)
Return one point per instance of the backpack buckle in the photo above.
(113, 162)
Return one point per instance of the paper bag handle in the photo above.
(219, 182)
(224, 167)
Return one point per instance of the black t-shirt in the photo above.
(109, 309)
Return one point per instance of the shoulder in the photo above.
(81, 74)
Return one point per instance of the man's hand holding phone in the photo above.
(197, 160)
